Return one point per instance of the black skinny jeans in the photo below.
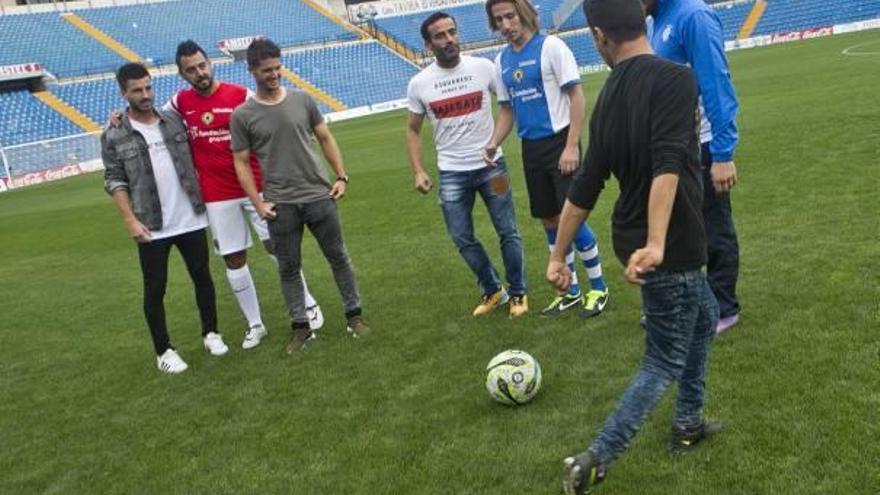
(193, 246)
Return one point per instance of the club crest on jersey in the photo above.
(207, 118)
(518, 75)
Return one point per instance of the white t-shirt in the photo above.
(178, 215)
(459, 104)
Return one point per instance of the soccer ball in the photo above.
(513, 377)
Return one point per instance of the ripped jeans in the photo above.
(457, 193)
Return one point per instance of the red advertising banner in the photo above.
(805, 34)
(44, 176)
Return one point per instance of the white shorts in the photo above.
(229, 225)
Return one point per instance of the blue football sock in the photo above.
(588, 251)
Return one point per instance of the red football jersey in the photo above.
(207, 120)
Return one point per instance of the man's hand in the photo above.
(338, 190)
(115, 119)
(265, 209)
(138, 231)
(422, 182)
(558, 274)
(643, 261)
(489, 154)
(568, 161)
(723, 176)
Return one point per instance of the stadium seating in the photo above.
(357, 74)
(24, 118)
(50, 40)
(471, 19)
(732, 17)
(153, 30)
(793, 15)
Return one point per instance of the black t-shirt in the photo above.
(646, 123)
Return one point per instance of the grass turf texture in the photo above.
(84, 409)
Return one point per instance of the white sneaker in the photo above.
(253, 336)
(214, 344)
(316, 317)
(171, 363)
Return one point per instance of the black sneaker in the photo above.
(561, 304)
(684, 439)
(298, 340)
(581, 473)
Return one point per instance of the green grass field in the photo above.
(83, 409)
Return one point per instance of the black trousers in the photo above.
(193, 246)
(723, 246)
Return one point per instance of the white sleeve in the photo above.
(499, 82)
(562, 61)
(171, 105)
(412, 99)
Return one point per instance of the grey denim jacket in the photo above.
(127, 166)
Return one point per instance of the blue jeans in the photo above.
(457, 193)
(681, 314)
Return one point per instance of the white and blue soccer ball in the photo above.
(513, 377)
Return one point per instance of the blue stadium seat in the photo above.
(47, 38)
(153, 30)
(794, 15)
(24, 118)
(357, 74)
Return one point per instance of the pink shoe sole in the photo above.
(725, 324)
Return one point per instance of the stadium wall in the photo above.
(86, 158)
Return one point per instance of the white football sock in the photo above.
(243, 287)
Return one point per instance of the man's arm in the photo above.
(116, 184)
(333, 156)
(704, 43)
(138, 231)
(572, 217)
(414, 151)
(568, 161)
(503, 126)
(660, 201)
(245, 175)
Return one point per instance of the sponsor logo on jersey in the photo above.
(457, 106)
(667, 32)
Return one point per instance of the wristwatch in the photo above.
(343, 178)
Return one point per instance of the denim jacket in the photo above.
(127, 166)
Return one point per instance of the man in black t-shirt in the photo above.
(644, 131)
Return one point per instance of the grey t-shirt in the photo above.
(281, 137)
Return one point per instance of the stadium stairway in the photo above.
(101, 36)
(335, 18)
(316, 92)
(68, 111)
(751, 22)
(393, 43)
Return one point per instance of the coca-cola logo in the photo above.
(46, 175)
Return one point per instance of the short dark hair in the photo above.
(620, 20)
(436, 16)
(188, 48)
(131, 72)
(261, 49)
